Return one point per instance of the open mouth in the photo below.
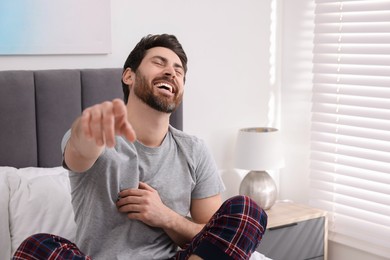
(166, 86)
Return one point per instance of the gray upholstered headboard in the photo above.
(38, 107)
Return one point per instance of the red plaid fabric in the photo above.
(50, 247)
(234, 232)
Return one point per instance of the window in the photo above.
(350, 129)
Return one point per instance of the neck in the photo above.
(150, 125)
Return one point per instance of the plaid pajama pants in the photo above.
(234, 232)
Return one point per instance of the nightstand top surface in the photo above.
(284, 213)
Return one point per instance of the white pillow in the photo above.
(5, 237)
(40, 202)
(258, 256)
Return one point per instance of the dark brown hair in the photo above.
(150, 41)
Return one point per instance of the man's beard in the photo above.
(145, 92)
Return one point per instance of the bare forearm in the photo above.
(144, 204)
(80, 152)
(181, 230)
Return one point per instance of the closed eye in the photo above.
(179, 72)
(159, 63)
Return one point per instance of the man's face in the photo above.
(159, 80)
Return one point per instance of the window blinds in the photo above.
(350, 129)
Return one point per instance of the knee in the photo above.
(36, 239)
(44, 246)
(31, 243)
(241, 214)
(246, 206)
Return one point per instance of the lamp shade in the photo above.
(259, 149)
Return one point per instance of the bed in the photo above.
(36, 109)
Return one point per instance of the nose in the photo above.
(170, 71)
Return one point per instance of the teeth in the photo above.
(164, 85)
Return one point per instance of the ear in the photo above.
(128, 77)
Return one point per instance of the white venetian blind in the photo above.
(350, 130)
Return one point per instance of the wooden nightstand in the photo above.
(295, 232)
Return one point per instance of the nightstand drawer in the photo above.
(296, 241)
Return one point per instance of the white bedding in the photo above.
(37, 200)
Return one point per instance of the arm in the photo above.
(182, 230)
(93, 130)
(144, 204)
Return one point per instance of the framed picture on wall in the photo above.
(42, 27)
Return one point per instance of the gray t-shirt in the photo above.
(180, 169)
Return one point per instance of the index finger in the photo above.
(145, 186)
(122, 125)
(129, 192)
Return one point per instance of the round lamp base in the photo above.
(260, 186)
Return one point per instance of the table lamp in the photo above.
(259, 149)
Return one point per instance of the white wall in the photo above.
(296, 83)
